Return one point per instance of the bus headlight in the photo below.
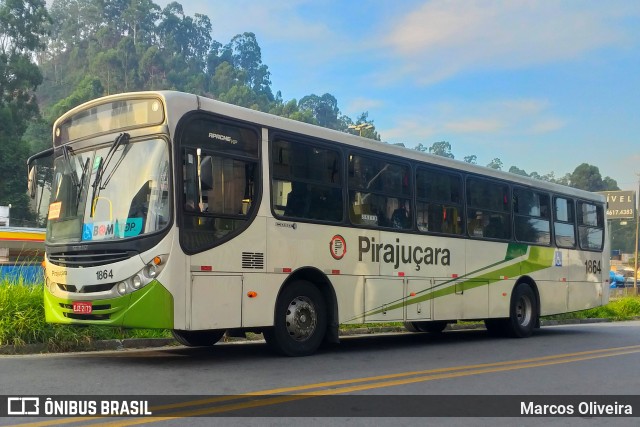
(151, 271)
(143, 277)
(122, 288)
(136, 282)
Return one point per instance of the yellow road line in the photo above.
(388, 380)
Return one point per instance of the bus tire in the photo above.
(300, 321)
(198, 338)
(523, 313)
(433, 327)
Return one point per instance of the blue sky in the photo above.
(542, 85)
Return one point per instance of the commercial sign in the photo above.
(620, 204)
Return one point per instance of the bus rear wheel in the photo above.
(300, 320)
(198, 338)
(523, 314)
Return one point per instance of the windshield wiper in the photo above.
(85, 168)
(122, 139)
(72, 171)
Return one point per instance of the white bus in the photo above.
(170, 210)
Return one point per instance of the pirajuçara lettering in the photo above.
(396, 254)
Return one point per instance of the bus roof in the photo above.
(188, 102)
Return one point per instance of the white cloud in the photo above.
(409, 130)
(501, 119)
(547, 125)
(475, 126)
(359, 105)
(443, 38)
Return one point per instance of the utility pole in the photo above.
(635, 261)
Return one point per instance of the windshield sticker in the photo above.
(96, 163)
(104, 230)
(54, 210)
(132, 227)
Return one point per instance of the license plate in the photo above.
(82, 307)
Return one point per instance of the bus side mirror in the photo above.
(32, 183)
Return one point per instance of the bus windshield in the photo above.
(94, 198)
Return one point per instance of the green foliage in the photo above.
(441, 148)
(22, 322)
(626, 308)
(471, 159)
(495, 164)
(22, 27)
(587, 177)
(89, 88)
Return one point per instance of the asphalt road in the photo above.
(391, 377)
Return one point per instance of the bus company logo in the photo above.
(338, 246)
(223, 138)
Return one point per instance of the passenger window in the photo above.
(488, 209)
(532, 222)
(590, 226)
(564, 223)
(306, 182)
(379, 193)
(439, 201)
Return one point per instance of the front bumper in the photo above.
(150, 307)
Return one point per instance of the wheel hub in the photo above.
(301, 318)
(524, 311)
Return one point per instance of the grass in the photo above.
(625, 308)
(22, 320)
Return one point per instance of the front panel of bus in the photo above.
(109, 231)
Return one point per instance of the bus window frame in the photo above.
(276, 136)
(573, 223)
(392, 159)
(509, 211)
(549, 216)
(578, 225)
(179, 146)
(429, 167)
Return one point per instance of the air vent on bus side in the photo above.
(253, 260)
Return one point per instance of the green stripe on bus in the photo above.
(539, 259)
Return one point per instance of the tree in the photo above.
(587, 177)
(22, 28)
(247, 56)
(90, 88)
(369, 131)
(441, 148)
(323, 108)
(472, 159)
(141, 16)
(518, 171)
(495, 164)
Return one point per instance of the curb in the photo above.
(140, 343)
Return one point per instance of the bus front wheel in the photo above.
(300, 320)
(198, 338)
